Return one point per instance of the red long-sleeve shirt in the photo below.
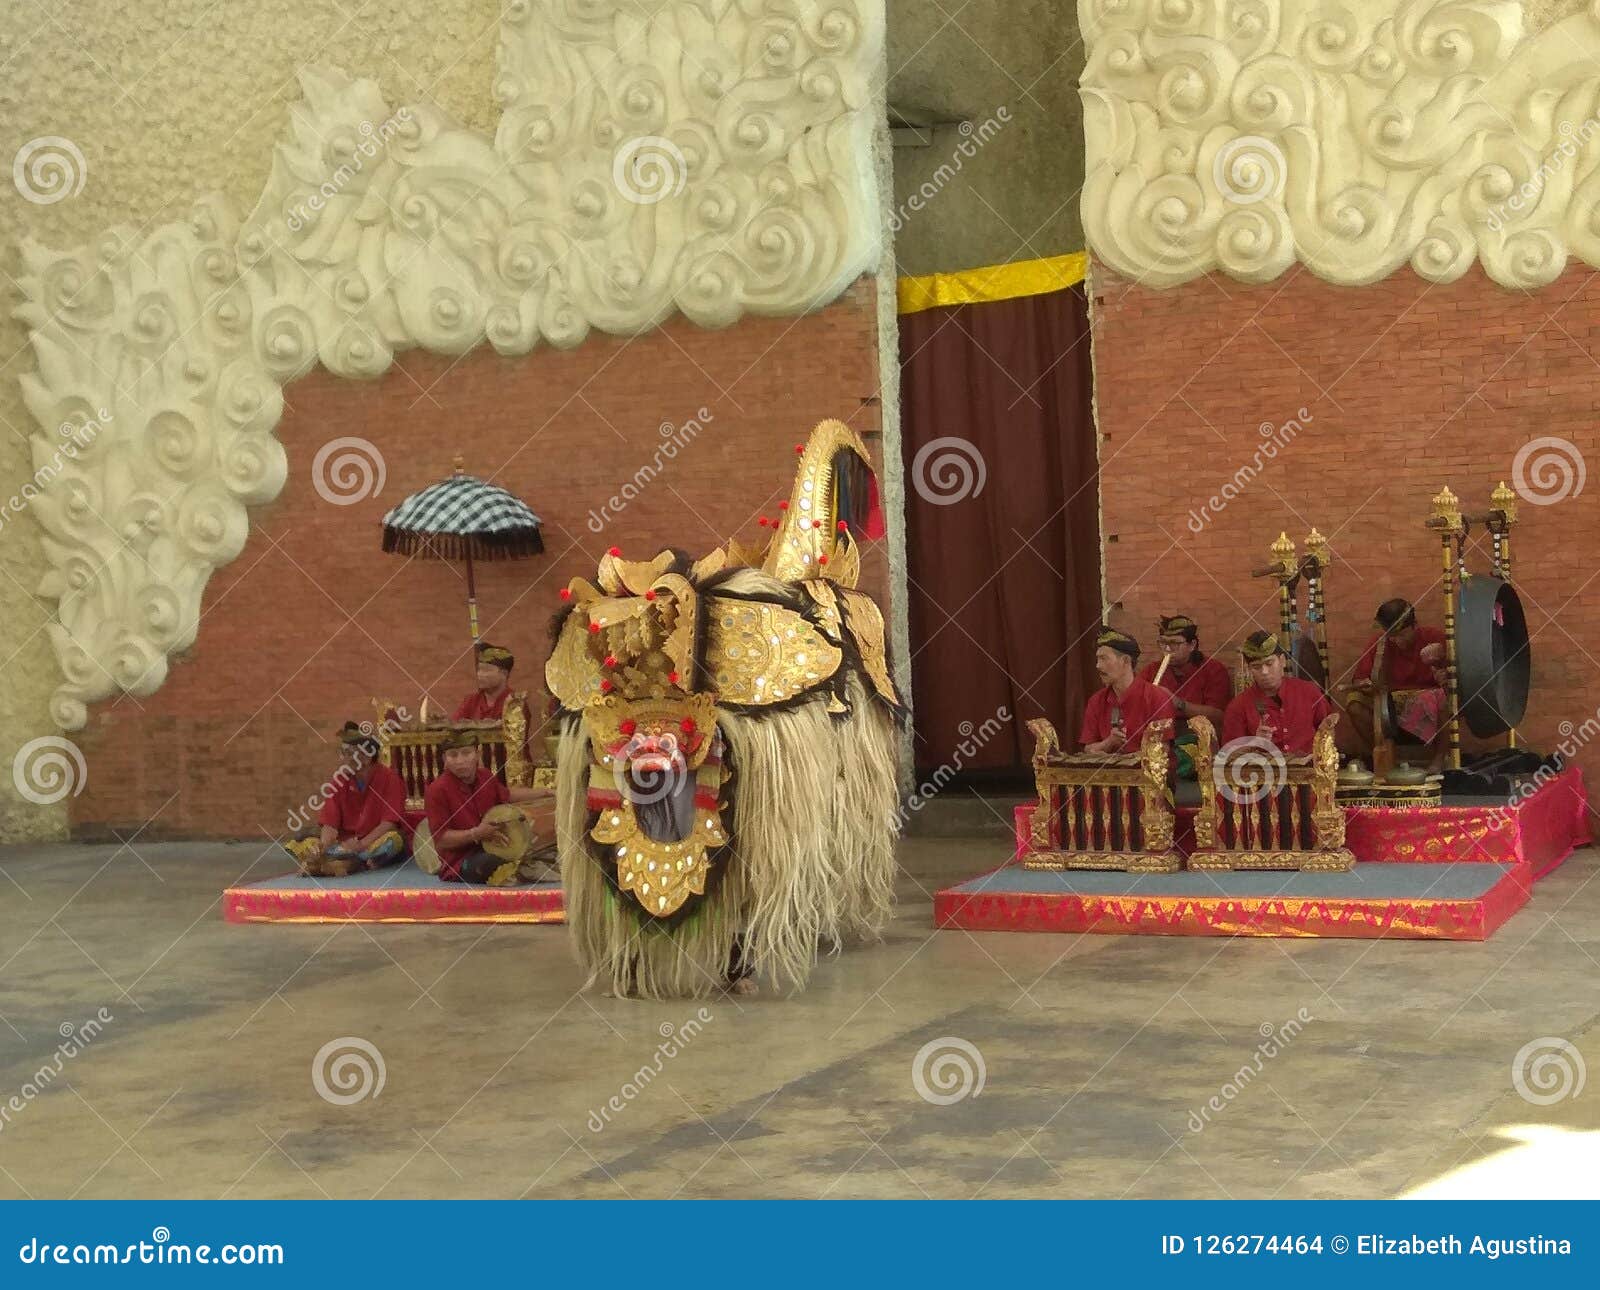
(454, 805)
(1141, 704)
(1207, 684)
(478, 706)
(355, 809)
(1405, 669)
(1289, 718)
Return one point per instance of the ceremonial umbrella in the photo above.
(463, 518)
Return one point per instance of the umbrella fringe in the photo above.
(458, 546)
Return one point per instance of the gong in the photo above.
(1492, 656)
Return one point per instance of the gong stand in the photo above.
(1453, 527)
(1448, 522)
(1290, 571)
(1314, 566)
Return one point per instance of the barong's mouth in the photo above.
(653, 765)
(663, 802)
(653, 774)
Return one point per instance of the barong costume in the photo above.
(727, 751)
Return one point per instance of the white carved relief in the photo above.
(708, 157)
(1354, 137)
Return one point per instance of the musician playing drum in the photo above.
(457, 802)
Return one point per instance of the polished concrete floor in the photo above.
(1110, 1066)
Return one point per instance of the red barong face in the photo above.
(655, 781)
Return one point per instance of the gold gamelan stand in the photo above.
(1291, 569)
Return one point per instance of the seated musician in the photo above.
(1200, 686)
(1276, 706)
(1400, 656)
(362, 824)
(1115, 716)
(488, 701)
(456, 804)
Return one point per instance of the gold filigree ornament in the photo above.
(865, 620)
(615, 723)
(763, 653)
(572, 673)
(808, 542)
(662, 875)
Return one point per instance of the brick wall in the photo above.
(1406, 386)
(313, 618)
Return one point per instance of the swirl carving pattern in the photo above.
(703, 157)
(1353, 137)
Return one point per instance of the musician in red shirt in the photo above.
(457, 802)
(1401, 656)
(488, 701)
(1200, 686)
(1115, 717)
(1410, 653)
(1278, 707)
(361, 820)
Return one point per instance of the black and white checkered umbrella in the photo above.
(463, 518)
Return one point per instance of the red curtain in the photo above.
(1003, 538)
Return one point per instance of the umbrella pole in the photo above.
(472, 603)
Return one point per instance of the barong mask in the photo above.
(737, 680)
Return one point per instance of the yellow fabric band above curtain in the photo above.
(993, 282)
